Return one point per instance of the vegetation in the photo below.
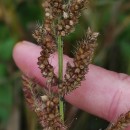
(17, 21)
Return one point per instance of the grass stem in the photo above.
(60, 73)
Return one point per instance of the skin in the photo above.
(104, 93)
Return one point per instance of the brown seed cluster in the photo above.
(45, 37)
(122, 122)
(47, 43)
(48, 16)
(50, 117)
(71, 13)
(83, 56)
(59, 14)
(53, 8)
(46, 68)
(45, 105)
(38, 33)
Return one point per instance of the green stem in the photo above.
(60, 73)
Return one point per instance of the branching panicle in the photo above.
(48, 47)
(45, 105)
(60, 18)
(83, 56)
(46, 68)
(71, 13)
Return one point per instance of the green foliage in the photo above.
(6, 49)
(5, 102)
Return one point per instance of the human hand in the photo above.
(104, 93)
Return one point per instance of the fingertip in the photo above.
(16, 48)
(25, 56)
(19, 47)
(23, 48)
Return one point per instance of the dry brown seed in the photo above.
(77, 70)
(48, 110)
(60, 85)
(94, 35)
(75, 83)
(48, 103)
(51, 104)
(41, 66)
(47, 14)
(67, 27)
(49, 80)
(76, 7)
(63, 7)
(85, 61)
(51, 17)
(63, 33)
(81, 50)
(47, 9)
(58, 10)
(60, 90)
(78, 79)
(65, 15)
(60, 27)
(51, 116)
(37, 109)
(83, 56)
(47, 29)
(44, 73)
(45, 62)
(48, 39)
(56, 100)
(40, 58)
(71, 22)
(67, 76)
(49, 119)
(56, 4)
(77, 57)
(45, 116)
(44, 98)
(50, 74)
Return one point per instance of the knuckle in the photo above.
(113, 109)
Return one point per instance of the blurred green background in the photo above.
(18, 18)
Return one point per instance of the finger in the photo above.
(104, 93)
